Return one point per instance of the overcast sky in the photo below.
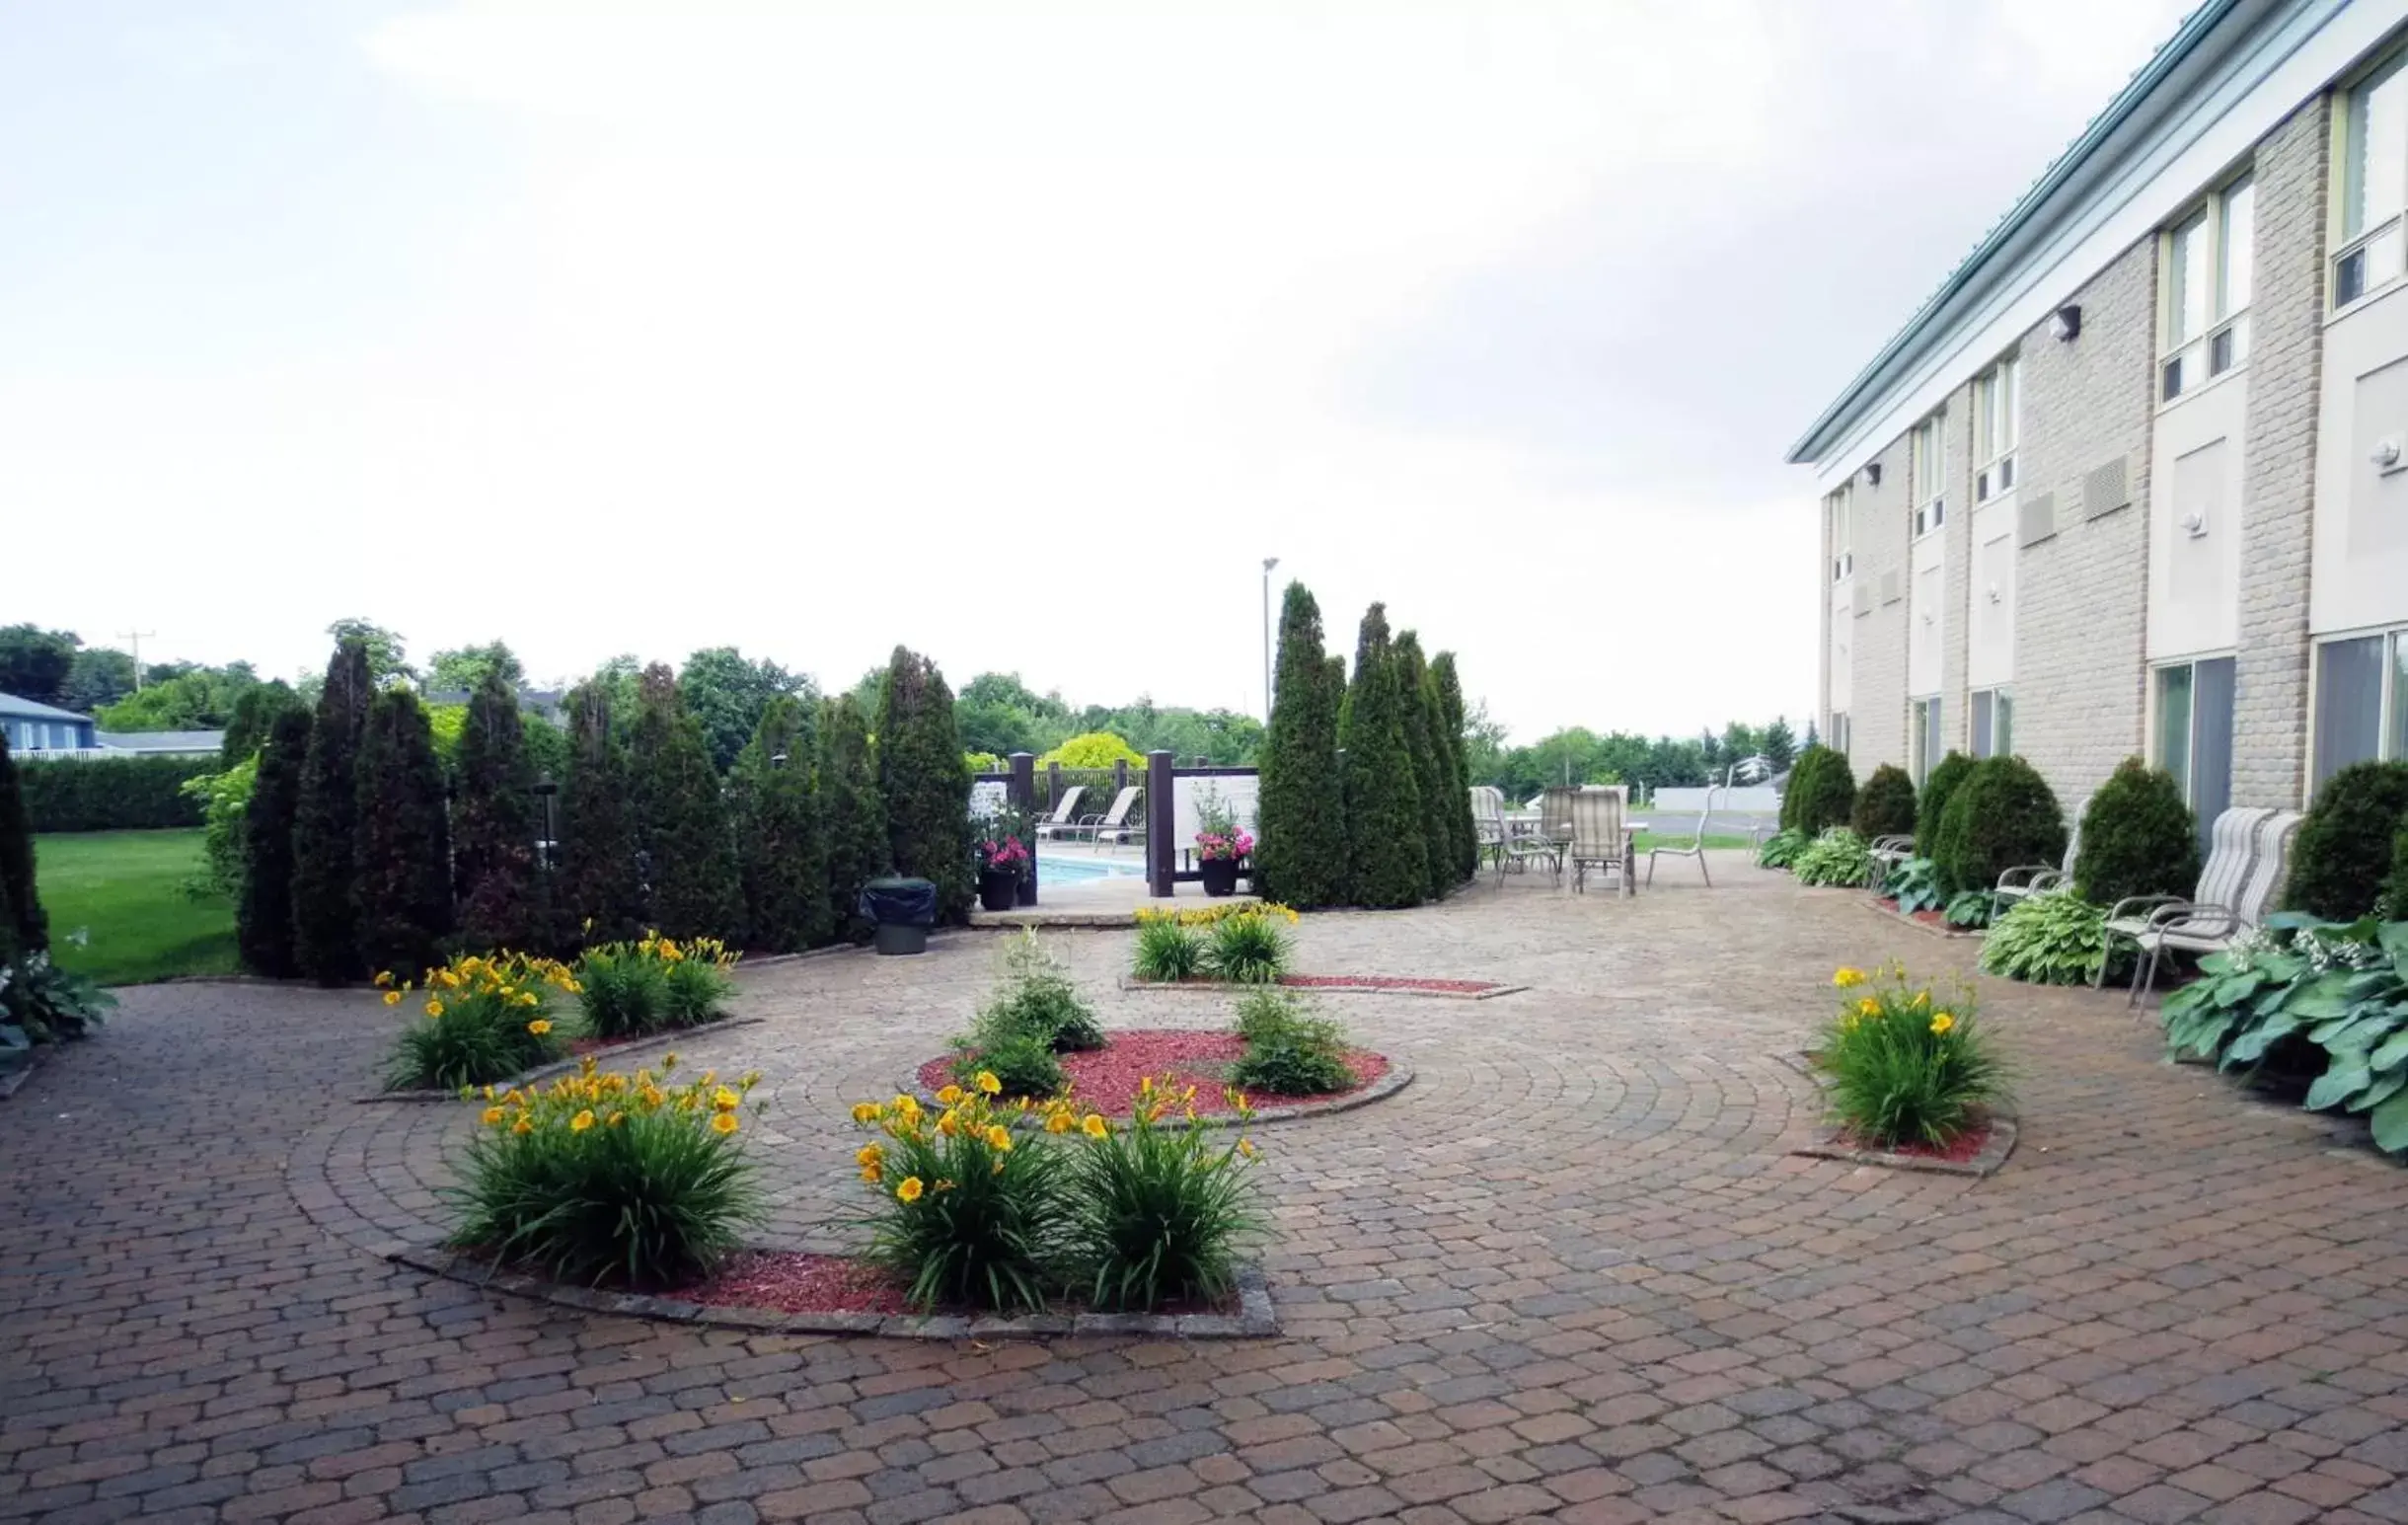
(1017, 334)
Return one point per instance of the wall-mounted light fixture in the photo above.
(1872, 474)
(2066, 323)
(2195, 524)
(1994, 592)
(2386, 456)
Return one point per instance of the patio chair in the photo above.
(1695, 847)
(1598, 840)
(1887, 853)
(1488, 825)
(1063, 820)
(2248, 852)
(2033, 879)
(1114, 824)
(1546, 844)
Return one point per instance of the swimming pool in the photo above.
(1073, 871)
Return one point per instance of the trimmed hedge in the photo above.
(2003, 816)
(2344, 850)
(2137, 838)
(1885, 806)
(1940, 784)
(2395, 892)
(1822, 792)
(111, 794)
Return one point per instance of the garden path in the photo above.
(1569, 1272)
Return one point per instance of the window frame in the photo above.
(1993, 472)
(1839, 523)
(2186, 361)
(2154, 747)
(2001, 705)
(2391, 735)
(1924, 737)
(1927, 452)
(1837, 730)
(2341, 244)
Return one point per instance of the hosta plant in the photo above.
(1836, 856)
(484, 1018)
(1159, 1206)
(2233, 1013)
(2053, 938)
(628, 1178)
(1971, 910)
(1915, 884)
(41, 1003)
(1782, 849)
(1901, 1065)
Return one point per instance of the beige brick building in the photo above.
(2134, 480)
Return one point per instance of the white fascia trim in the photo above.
(2290, 61)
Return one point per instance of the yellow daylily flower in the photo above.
(1941, 1023)
(723, 1124)
(1847, 978)
(581, 1121)
(911, 1188)
(493, 1115)
(393, 998)
(999, 1139)
(988, 1083)
(539, 1027)
(951, 1096)
(1094, 1126)
(868, 1112)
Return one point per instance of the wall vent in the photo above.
(2105, 490)
(1892, 591)
(2035, 519)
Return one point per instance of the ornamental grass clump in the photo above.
(654, 984)
(1901, 1066)
(487, 1018)
(1250, 947)
(597, 1177)
(1166, 950)
(1289, 1051)
(1158, 1209)
(969, 1204)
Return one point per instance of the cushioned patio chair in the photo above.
(2248, 854)
(1547, 844)
(1488, 825)
(1598, 840)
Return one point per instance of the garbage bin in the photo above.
(902, 911)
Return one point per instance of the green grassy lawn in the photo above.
(1649, 839)
(123, 889)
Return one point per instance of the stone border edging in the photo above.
(1873, 903)
(644, 1044)
(1993, 1152)
(1226, 986)
(1400, 1075)
(1255, 1318)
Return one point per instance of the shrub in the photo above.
(600, 885)
(111, 794)
(920, 779)
(1249, 948)
(1093, 749)
(1023, 1063)
(1432, 788)
(782, 846)
(1289, 1051)
(253, 716)
(1156, 1209)
(326, 823)
(1166, 949)
(653, 985)
(687, 851)
(1901, 1066)
(2054, 939)
(23, 926)
(41, 1003)
(263, 917)
(1387, 866)
(2395, 890)
(225, 800)
(1939, 786)
(2343, 853)
(1301, 856)
(2003, 816)
(404, 842)
(1836, 856)
(1782, 849)
(1822, 792)
(1885, 806)
(1970, 909)
(487, 1018)
(2137, 838)
(1037, 999)
(969, 1204)
(849, 799)
(610, 1177)
(1915, 884)
(494, 880)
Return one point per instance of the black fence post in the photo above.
(1161, 854)
(1053, 785)
(1120, 776)
(1022, 793)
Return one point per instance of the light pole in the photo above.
(1268, 562)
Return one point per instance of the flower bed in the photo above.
(1107, 1079)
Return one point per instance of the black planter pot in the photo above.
(999, 889)
(1219, 875)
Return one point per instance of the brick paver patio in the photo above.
(1571, 1272)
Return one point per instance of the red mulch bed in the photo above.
(1469, 987)
(1107, 1078)
(1957, 1151)
(1927, 918)
(797, 1284)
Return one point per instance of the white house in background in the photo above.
(167, 743)
(30, 727)
(2135, 479)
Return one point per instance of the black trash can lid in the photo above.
(903, 901)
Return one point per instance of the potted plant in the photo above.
(1221, 845)
(1002, 862)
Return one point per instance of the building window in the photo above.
(1924, 741)
(1930, 450)
(2373, 183)
(2191, 728)
(2205, 276)
(1839, 731)
(1993, 722)
(2361, 700)
(1996, 399)
(1839, 516)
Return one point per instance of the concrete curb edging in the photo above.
(1255, 1318)
(1226, 987)
(1873, 904)
(1400, 1075)
(642, 1045)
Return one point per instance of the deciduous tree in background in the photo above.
(263, 916)
(922, 783)
(856, 816)
(726, 695)
(782, 848)
(681, 818)
(404, 841)
(600, 888)
(1300, 857)
(326, 867)
(1387, 866)
(496, 880)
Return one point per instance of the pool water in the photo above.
(1073, 871)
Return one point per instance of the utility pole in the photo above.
(135, 636)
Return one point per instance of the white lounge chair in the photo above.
(1695, 847)
(1598, 840)
(1114, 824)
(2248, 854)
(2034, 879)
(1062, 823)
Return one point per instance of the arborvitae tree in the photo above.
(263, 921)
(782, 845)
(1932, 810)
(1822, 792)
(2341, 854)
(1300, 855)
(255, 714)
(681, 816)
(1421, 745)
(1464, 834)
(1387, 866)
(1780, 747)
(1885, 806)
(600, 887)
(496, 880)
(2003, 816)
(326, 817)
(22, 927)
(2139, 838)
(848, 802)
(923, 782)
(405, 842)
